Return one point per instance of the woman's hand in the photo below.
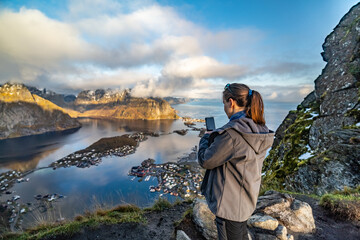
(208, 132)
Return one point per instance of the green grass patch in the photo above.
(159, 205)
(119, 214)
(343, 204)
(115, 215)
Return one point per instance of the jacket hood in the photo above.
(259, 137)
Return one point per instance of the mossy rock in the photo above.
(283, 159)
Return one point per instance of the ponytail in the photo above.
(245, 97)
(255, 108)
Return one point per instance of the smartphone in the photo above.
(210, 123)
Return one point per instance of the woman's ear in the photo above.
(233, 103)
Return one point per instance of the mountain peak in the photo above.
(12, 92)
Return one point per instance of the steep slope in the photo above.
(23, 113)
(317, 147)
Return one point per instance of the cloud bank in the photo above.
(149, 48)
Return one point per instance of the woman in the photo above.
(233, 156)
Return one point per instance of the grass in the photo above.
(118, 214)
(187, 214)
(100, 216)
(343, 204)
(160, 205)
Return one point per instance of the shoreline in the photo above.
(80, 158)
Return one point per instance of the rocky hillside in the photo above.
(23, 113)
(121, 105)
(62, 100)
(317, 147)
(110, 103)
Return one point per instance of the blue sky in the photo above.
(167, 48)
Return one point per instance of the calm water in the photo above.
(274, 112)
(107, 183)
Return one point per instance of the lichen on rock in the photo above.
(316, 148)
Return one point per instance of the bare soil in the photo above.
(328, 226)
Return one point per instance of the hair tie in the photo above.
(250, 92)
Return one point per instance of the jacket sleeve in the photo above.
(219, 152)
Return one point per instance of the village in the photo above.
(91, 156)
(181, 179)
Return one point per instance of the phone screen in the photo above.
(210, 123)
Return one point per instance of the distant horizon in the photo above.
(121, 89)
(164, 48)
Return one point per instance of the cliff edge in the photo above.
(23, 113)
(316, 148)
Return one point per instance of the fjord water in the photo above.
(108, 183)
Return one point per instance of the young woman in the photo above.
(233, 156)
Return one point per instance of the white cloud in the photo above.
(114, 44)
(201, 67)
(289, 93)
(32, 38)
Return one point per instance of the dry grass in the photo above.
(344, 204)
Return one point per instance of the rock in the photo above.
(265, 237)
(181, 235)
(334, 169)
(271, 198)
(263, 221)
(204, 219)
(281, 232)
(294, 214)
(181, 132)
(316, 148)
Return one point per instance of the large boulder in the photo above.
(275, 213)
(263, 221)
(204, 219)
(292, 213)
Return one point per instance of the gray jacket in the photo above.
(233, 156)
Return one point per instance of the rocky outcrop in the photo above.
(292, 213)
(275, 214)
(61, 100)
(316, 148)
(23, 113)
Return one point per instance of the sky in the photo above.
(164, 48)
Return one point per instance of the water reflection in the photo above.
(32, 152)
(25, 164)
(108, 183)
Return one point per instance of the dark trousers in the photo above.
(231, 230)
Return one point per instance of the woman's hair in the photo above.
(245, 97)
